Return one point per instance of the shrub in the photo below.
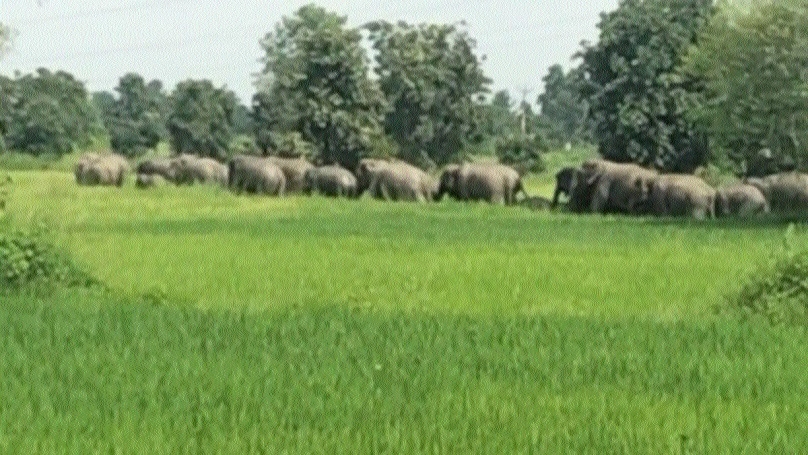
(522, 151)
(26, 260)
(778, 291)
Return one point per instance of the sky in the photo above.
(172, 40)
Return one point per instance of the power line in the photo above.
(136, 6)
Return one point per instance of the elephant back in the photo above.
(80, 170)
(294, 170)
(332, 181)
(740, 200)
(788, 193)
(156, 166)
(107, 170)
(683, 195)
(255, 175)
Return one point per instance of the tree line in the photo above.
(669, 85)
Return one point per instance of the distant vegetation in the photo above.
(675, 95)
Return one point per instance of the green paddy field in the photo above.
(232, 324)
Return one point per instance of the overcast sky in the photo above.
(172, 40)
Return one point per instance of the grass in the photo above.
(123, 376)
(307, 325)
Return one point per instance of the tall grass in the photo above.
(308, 325)
(219, 250)
(83, 372)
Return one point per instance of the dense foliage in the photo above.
(638, 101)
(433, 81)
(201, 119)
(28, 260)
(46, 113)
(136, 120)
(562, 110)
(753, 62)
(778, 291)
(522, 151)
(315, 81)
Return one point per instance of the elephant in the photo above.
(81, 167)
(332, 181)
(493, 183)
(148, 180)
(103, 170)
(294, 169)
(615, 187)
(682, 195)
(156, 166)
(565, 178)
(189, 169)
(394, 181)
(255, 175)
(740, 200)
(786, 192)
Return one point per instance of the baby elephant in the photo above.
(331, 181)
(740, 200)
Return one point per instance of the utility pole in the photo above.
(523, 107)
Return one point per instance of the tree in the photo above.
(315, 82)
(499, 117)
(562, 109)
(49, 113)
(8, 95)
(136, 118)
(753, 62)
(242, 120)
(637, 98)
(6, 38)
(201, 119)
(433, 81)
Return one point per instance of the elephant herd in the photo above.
(600, 186)
(389, 180)
(596, 186)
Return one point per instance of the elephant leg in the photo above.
(600, 198)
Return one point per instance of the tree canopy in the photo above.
(315, 82)
(136, 119)
(638, 100)
(433, 81)
(201, 119)
(46, 113)
(562, 109)
(754, 64)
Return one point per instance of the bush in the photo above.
(522, 151)
(291, 145)
(243, 145)
(778, 291)
(26, 260)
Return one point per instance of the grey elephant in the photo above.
(331, 181)
(786, 192)
(740, 200)
(105, 170)
(81, 167)
(682, 195)
(189, 169)
(156, 166)
(255, 175)
(493, 183)
(294, 169)
(394, 181)
(148, 180)
(615, 187)
(565, 179)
